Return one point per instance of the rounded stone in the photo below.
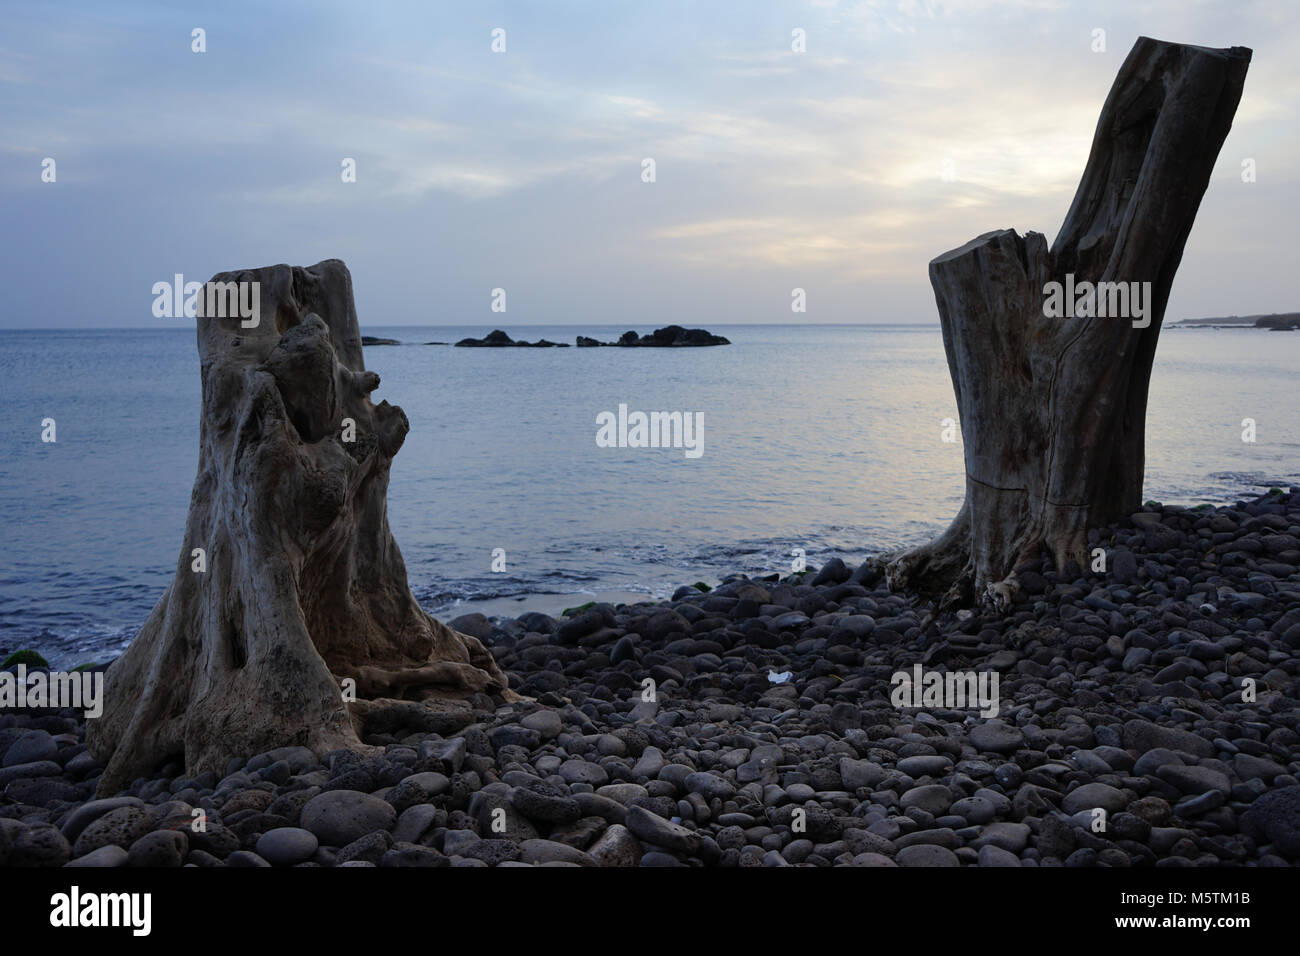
(545, 801)
(926, 854)
(31, 747)
(337, 817)
(105, 857)
(1093, 795)
(39, 844)
(933, 798)
(996, 737)
(582, 771)
(246, 859)
(161, 848)
(710, 785)
(285, 846)
(924, 766)
(121, 827)
(547, 723)
(85, 814)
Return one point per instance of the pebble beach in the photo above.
(750, 724)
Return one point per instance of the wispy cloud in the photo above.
(904, 129)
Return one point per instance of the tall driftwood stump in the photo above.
(299, 586)
(1053, 409)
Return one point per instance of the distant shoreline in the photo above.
(1263, 321)
(189, 329)
(1230, 321)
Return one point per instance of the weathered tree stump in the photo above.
(1053, 409)
(304, 586)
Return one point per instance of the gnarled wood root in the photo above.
(300, 585)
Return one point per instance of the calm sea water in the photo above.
(825, 438)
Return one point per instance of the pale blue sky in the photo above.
(522, 170)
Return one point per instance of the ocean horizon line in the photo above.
(537, 325)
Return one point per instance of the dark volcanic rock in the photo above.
(751, 725)
(1276, 817)
(670, 336)
(498, 339)
(653, 828)
(337, 817)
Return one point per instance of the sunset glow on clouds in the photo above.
(824, 169)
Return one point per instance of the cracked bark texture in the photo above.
(304, 585)
(1053, 410)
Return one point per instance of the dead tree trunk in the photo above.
(1053, 408)
(299, 584)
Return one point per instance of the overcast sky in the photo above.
(523, 170)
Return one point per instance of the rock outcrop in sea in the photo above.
(498, 339)
(1279, 323)
(670, 336)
